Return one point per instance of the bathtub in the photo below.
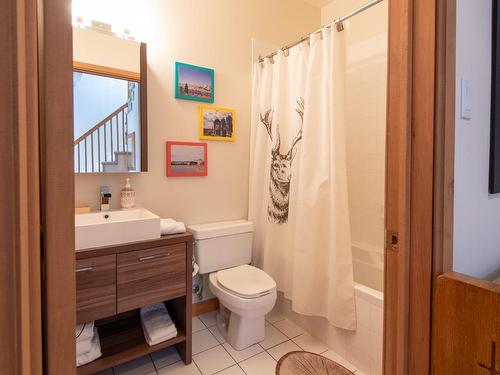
(368, 265)
(363, 347)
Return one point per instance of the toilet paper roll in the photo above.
(196, 268)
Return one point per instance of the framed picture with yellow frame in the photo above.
(217, 123)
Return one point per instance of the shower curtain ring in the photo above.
(340, 26)
(286, 51)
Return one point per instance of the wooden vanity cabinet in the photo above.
(114, 282)
(149, 276)
(95, 288)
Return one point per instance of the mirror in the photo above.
(109, 99)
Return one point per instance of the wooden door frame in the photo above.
(55, 60)
(20, 263)
(444, 154)
(419, 169)
(37, 284)
(420, 121)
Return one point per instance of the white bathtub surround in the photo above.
(298, 178)
(368, 264)
(362, 347)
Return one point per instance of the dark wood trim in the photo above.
(422, 185)
(144, 108)
(410, 186)
(444, 155)
(57, 187)
(106, 71)
(444, 159)
(182, 308)
(133, 246)
(396, 269)
(206, 306)
(20, 267)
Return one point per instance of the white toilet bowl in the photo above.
(248, 294)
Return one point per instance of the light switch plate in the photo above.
(465, 99)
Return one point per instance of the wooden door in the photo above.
(466, 326)
(20, 265)
(55, 79)
(409, 186)
(36, 277)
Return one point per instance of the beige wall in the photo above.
(366, 41)
(338, 8)
(93, 47)
(215, 34)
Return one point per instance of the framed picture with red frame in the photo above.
(186, 159)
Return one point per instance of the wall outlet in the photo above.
(465, 99)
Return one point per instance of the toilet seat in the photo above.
(246, 281)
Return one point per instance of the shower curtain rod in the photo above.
(338, 22)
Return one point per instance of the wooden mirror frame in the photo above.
(142, 79)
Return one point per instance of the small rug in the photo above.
(305, 363)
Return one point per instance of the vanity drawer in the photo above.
(150, 276)
(95, 288)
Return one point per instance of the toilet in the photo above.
(245, 293)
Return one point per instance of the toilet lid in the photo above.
(246, 281)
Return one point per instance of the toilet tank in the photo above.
(222, 245)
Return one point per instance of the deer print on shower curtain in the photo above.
(281, 167)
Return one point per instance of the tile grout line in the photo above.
(215, 338)
(234, 359)
(170, 364)
(288, 339)
(241, 368)
(235, 363)
(154, 365)
(292, 339)
(196, 365)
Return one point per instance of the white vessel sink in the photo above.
(106, 228)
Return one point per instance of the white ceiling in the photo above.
(318, 3)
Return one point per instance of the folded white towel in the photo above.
(83, 347)
(84, 332)
(170, 226)
(157, 324)
(93, 354)
(152, 308)
(168, 334)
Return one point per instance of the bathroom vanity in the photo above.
(114, 282)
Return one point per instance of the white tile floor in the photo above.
(212, 355)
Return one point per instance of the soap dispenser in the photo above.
(127, 196)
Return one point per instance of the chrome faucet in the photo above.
(104, 198)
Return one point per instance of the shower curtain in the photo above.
(298, 181)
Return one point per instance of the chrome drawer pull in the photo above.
(84, 269)
(142, 259)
